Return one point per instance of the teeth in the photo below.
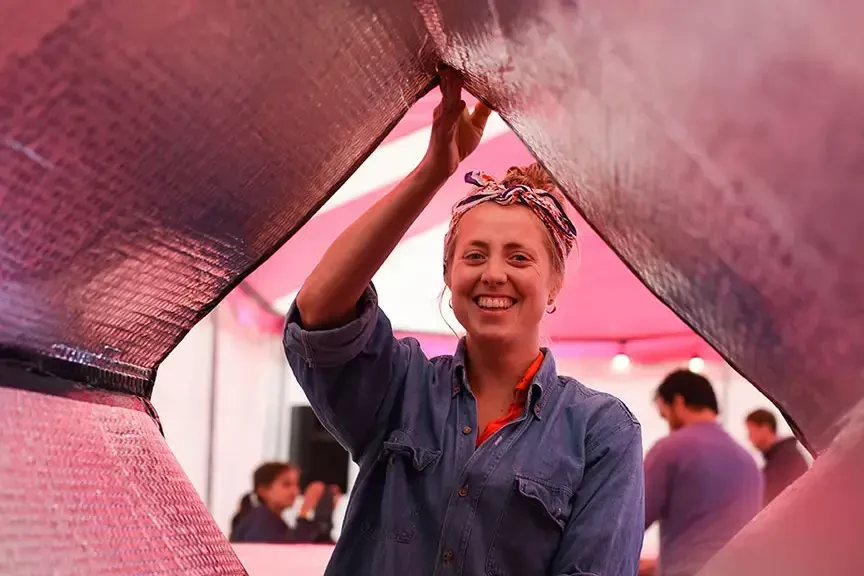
(486, 302)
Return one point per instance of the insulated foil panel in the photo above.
(151, 154)
(717, 148)
(88, 488)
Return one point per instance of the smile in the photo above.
(494, 302)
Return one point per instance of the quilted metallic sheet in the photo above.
(717, 147)
(91, 489)
(151, 153)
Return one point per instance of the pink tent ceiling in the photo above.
(603, 304)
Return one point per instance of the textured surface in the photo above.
(150, 155)
(93, 489)
(717, 148)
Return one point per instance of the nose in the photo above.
(494, 272)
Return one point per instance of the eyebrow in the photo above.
(508, 246)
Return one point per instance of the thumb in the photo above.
(480, 115)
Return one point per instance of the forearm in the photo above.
(330, 294)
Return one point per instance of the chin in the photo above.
(498, 334)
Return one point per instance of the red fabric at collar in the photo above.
(520, 394)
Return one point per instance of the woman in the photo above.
(275, 487)
(487, 461)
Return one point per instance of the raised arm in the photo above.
(329, 296)
(338, 342)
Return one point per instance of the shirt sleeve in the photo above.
(656, 484)
(353, 375)
(604, 534)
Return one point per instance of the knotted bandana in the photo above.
(544, 205)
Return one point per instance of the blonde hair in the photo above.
(534, 176)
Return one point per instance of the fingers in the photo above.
(315, 489)
(451, 88)
(446, 119)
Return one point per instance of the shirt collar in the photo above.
(544, 382)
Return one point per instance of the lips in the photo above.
(494, 302)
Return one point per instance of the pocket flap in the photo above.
(403, 444)
(554, 499)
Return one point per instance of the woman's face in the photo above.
(284, 490)
(501, 275)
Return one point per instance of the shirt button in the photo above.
(448, 556)
(537, 409)
(463, 492)
(466, 430)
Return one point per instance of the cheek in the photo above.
(462, 280)
(533, 284)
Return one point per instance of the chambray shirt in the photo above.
(559, 491)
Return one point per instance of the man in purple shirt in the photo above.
(700, 484)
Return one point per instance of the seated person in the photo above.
(275, 487)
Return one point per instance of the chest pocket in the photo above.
(402, 446)
(398, 479)
(530, 528)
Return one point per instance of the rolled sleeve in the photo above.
(353, 375)
(333, 347)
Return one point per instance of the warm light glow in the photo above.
(696, 364)
(620, 363)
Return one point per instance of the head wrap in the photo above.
(542, 203)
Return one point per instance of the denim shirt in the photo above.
(558, 491)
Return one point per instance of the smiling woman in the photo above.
(510, 257)
(467, 460)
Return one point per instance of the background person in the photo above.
(700, 484)
(275, 487)
(784, 462)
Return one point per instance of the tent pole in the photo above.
(211, 416)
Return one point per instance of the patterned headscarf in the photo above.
(544, 205)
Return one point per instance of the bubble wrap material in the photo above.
(92, 489)
(153, 153)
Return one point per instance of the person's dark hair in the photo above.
(762, 417)
(264, 475)
(694, 389)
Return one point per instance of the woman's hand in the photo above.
(455, 132)
(311, 497)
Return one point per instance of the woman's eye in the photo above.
(473, 256)
(520, 258)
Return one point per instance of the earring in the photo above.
(552, 309)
